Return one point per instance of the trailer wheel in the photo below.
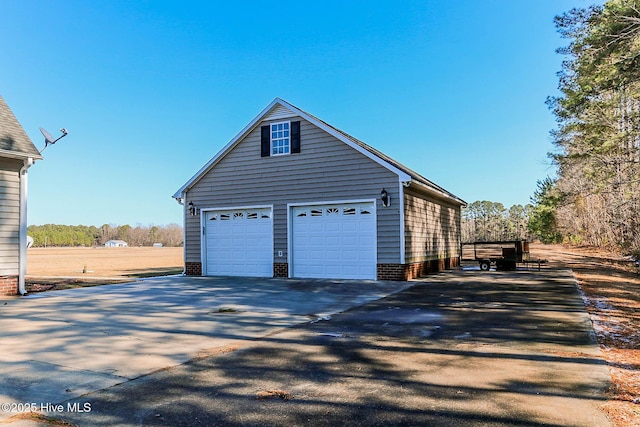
(485, 265)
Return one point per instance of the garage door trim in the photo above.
(291, 206)
(203, 236)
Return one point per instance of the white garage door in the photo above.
(239, 242)
(334, 241)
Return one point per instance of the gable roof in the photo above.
(14, 142)
(279, 108)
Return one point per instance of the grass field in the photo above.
(104, 262)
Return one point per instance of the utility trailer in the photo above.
(505, 255)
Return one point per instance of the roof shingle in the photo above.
(14, 141)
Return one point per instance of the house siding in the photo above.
(326, 170)
(9, 216)
(432, 228)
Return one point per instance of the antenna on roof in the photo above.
(48, 139)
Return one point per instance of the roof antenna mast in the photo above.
(48, 139)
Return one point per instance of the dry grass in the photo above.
(103, 262)
(66, 268)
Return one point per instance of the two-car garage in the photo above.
(335, 240)
(293, 196)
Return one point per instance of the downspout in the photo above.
(403, 249)
(184, 233)
(22, 240)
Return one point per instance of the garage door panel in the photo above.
(239, 242)
(315, 240)
(351, 227)
(334, 241)
(332, 227)
(351, 270)
(351, 256)
(333, 270)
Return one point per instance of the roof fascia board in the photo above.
(19, 155)
(402, 175)
(439, 194)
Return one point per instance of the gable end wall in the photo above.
(326, 169)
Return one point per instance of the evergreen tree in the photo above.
(598, 133)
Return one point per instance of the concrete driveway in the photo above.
(461, 348)
(60, 345)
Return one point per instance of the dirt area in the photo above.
(65, 268)
(611, 290)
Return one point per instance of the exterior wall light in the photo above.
(193, 211)
(386, 199)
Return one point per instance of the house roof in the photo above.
(405, 174)
(14, 142)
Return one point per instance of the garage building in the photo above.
(292, 196)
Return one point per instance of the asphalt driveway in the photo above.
(64, 344)
(458, 348)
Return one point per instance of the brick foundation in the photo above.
(384, 271)
(193, 268)
(8, 285)
(416, 269)
(280, 269)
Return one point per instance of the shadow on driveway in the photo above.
(64, 344)
(459, 348)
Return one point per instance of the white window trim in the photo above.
(271, 138)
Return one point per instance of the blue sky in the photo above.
(151, 90)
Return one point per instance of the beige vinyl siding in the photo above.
(432, 228)
(325, 170)
(9, 216)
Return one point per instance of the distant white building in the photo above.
(116, 244)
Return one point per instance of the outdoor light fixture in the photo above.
(192, 209)
(384, 196)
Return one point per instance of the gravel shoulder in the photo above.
(610, 286)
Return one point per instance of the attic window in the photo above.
(280, 138)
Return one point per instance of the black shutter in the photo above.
(295, 137)
(265, 141)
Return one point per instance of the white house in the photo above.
(116, 244)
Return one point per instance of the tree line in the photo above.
(485, 221)
(82, 235)
(595, 197)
